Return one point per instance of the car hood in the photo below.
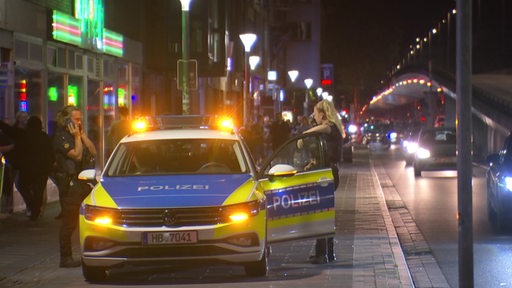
(172, 191)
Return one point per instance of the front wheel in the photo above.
(258, 268)
(93, 273)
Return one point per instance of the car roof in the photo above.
(195, 133)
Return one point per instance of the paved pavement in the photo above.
(377, 245)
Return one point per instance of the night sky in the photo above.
(365, 39)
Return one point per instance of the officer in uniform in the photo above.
(74, 152)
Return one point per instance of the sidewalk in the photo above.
(367, 247)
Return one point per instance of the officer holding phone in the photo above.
(74, 152)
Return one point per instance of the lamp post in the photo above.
(293, 75)
(308, 83)
(319, 91)
(253, 62)
(185, 97)
(248, 40)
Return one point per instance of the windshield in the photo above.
(177, 156)
(438, 137)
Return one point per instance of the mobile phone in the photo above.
(69, 121)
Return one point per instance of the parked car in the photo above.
(437, 150)
(499, 186)
(193, 195)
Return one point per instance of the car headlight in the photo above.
(508, 183)
(422, 153)
(101, 215)
(352, 129)
(411, 147)
(240, 212)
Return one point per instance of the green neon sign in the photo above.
(53, 94)
(87, 28)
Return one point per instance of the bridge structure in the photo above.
(417, 95)
(422, 86)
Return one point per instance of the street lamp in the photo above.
(293, 75)
(185, 97)
(308, 83)
(319, 91)
(254, 60)
(248, 40)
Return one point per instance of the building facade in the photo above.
(52, 57)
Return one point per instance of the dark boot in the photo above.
(331, 256)
(320, 256)
(69, 262)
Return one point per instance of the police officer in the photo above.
(74, 152)
(328, 123)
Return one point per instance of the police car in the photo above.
(190, 193)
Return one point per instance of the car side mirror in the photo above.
(281, 170)
(89, 174)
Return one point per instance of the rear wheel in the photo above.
(93, 273)
(503, 219)
(417, 171)
(492, 215)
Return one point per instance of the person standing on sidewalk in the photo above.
(34, 160)
(328, 123)
(74, 152)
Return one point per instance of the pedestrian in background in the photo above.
(279, 131)
(36, 161)
(329, 124)
(258, 133)
(17, 159)
(118, 129)
(302, 124)
(74, 152)
(18, 126)
(6, 195)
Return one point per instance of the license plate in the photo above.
(175, 237)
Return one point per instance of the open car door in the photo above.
(299, 189)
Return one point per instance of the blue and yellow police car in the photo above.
(189, 192)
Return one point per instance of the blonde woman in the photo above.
(328, 123)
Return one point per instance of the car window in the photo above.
(177, 156)
(303, 153)
(438, 137)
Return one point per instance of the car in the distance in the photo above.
(376, 135)
(499, 186)
(410, 146)
(437, 150)
(192, 195)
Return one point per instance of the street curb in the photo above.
(403, 268)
